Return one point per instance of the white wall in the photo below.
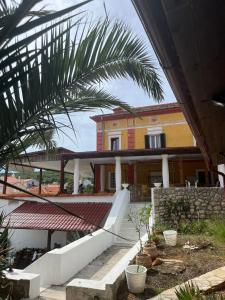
(75, 199)
(59, 265)
(23, 238)
(7, 206)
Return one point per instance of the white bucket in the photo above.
(136, 277)
(170, 237)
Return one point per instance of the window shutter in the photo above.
(147, 146)
(163, 140)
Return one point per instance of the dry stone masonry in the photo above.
(189, 203)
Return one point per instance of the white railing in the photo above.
(152, 215)
(59, 265)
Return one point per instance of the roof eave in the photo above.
(155, 24)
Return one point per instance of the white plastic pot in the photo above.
(157, 184)
(170, 237)
(136, 277)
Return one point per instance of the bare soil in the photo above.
(197, 262)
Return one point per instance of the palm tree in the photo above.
(59, 68)
(191, 292)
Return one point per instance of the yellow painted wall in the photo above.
(140, 138)
(177, 135)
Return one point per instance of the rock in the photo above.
(190, 247)
(170, 267)
(157, 262)
(198, 246)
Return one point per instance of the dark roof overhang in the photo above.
(188, 38)
(135, 152)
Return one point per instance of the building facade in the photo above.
(152, 127)
(153, 145)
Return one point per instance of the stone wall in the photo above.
(174, 204)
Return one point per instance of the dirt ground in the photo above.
(196, 262)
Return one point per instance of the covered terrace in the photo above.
(110, 169)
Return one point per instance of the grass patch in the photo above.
(217, 230)
(194, 227)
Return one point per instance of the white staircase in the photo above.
(127, 229)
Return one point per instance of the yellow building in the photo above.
(155, 145)
(152, 147)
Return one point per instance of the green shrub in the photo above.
(160, 227)
(194, 227)
(217, 229)
(88, 189)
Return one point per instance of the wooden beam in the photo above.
(62, 176)
(181, 170)
(5, 178)
(40, 181)
(92, 168)
(50, 232)
(134, 152)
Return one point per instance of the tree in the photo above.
(57, 69)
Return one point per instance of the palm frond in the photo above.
(61, 74)
(191, 292)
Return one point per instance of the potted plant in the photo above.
(141, 258)
(150, 246)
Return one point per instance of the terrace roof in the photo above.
(45, 216)
(48, 162)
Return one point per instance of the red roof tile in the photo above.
(45, 216)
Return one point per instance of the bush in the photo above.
(194, 227)
(217, 230)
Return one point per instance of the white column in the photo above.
(102, 178)
(221, 168)
(165, 171)
(76, 176)
(118, 173)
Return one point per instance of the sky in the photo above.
(85, 130)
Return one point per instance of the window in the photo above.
(112, 181)
(154, 141)
(115, 143)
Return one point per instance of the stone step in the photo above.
(53, 293)
(100, 266)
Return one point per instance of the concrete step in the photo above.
(100, 266)
(53, 293)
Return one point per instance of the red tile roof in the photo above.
(119, 113)
(45, 216)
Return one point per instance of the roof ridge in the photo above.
(117, 111)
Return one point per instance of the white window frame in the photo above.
(155, 131)
(109, 181)
(113, 135)
(157, 141)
